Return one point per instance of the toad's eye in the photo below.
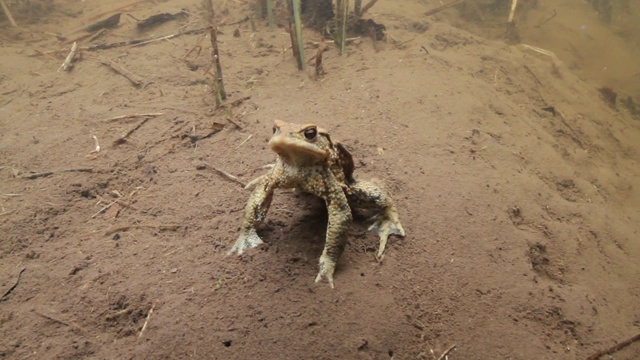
(275, 129)
(311, 133)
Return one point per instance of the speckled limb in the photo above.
(336, 239)
(254, 213)
(386, 222)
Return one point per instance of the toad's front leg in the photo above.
(254, 213)
(339, 220)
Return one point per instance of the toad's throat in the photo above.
(297, 152)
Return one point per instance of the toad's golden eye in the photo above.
(311, 133)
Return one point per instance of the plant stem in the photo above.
(357, 8)
(270, 12)
(343, 35)
(298, 26)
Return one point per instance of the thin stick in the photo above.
(166, 37)
(368, 6)
(66, 65)
(133, 78)
(116, 9)
(245, 140)
(37, 175)
(132, 116)
(3, 297)
(442, 356)
(125, 136)
(443, 7)
(118, 314)
(146, 321)
(615, 347)
(70, 323)
(225, 174)
(215, 53)
(532, 74)
(129, 227)
(8, 13)
(77, 170)
(540, 50)
(514, 3)
(49, 173)
(104, 208)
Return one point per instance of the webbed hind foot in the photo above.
(386, 223)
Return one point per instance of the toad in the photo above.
(308, 160)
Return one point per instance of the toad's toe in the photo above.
(245, 241)
(386, 224)
(327, 267)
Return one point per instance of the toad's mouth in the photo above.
(296, 151)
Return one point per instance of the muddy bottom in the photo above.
(515, 181)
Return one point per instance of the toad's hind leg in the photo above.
(386, 222)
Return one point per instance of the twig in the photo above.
(49, 173)
(443, 7)
(124, 137)
(8, 13)
(140, 42)
(97, 34)
(66, 65)
(615, 347)
(245, 140)
(514, 3)
(442, 356)
(77, 170)
(368, 6)
(69, 323)
(133, 78)
(146, 321)
(37, 175)
(225, 174)
(574, 134)
(540, 50)
(129, 227)
(135, 42)
(532, 74)
(104, 208)
(235, 103)
(116, 9)
(132, 116)
(547, 19)
(118, 314)
(221, 94)
(4, 297)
